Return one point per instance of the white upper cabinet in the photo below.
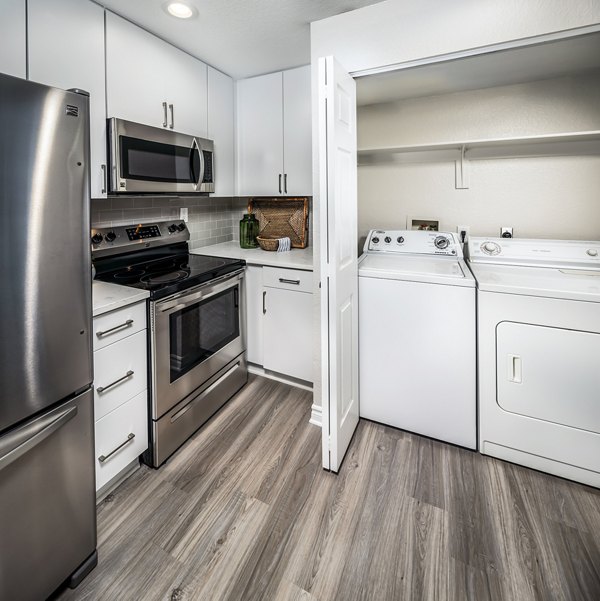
(149, 81)
(13, 38)
(297, 132)
(274, 134)
(66, 50)
(186, 92)
(260, 135)
(220, 129)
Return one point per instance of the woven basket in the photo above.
(268, 243)
(281, 218)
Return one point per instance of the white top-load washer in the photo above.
(417, 335)
(539, 353)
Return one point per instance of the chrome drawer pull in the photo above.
(284, 281)
(103, 458)
(121, 325)
(104, 388)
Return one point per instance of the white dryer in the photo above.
(539, 353)
(417, 335)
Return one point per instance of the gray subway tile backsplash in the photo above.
(211, 220)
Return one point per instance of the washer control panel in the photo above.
(413, 242)
(575, 254)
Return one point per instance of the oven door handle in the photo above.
(212, 288)
(196, 181)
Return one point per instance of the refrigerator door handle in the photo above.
(35, 433)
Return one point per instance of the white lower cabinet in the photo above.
(280, 320)
(121, 436)
(120, 390)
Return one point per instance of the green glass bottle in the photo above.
(248, 231)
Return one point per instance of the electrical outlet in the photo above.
(183, 214)
(463, 232)
(506, 232)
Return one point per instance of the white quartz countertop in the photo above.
(297, 258)
(107, 297)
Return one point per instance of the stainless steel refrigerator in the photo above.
(47, 494)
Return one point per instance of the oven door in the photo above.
(195, 335)
(153, 160)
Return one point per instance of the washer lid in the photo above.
(563, 283)
(434, 270)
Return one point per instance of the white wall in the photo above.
(398, 31)
(539, 197)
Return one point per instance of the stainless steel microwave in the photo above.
(151, 160)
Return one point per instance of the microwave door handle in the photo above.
(196, 181)
(202, 167)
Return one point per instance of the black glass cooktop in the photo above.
(164, 271)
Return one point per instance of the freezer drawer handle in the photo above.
(284, 281)
(125, 324)
(103, 458)
(105, 388)
(41, 431)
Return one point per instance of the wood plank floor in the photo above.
(244, 512)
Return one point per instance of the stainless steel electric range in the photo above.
(196, 325)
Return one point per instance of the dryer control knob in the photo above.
(400, 239)
(490, 248)
(375, 240)
(592, 252)
(441, 242)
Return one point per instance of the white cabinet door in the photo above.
(254, 314)
(297, 132)
(66, 50)
(220, 129)
(152, 82)
(288, 330)
(186, 90)
(260, 135)
(136, 73)
(13, 44)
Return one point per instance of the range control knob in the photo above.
(110, 236)
(441, 242)
(97, 238)
(375, 240)
(592, 252)
(400, 239)
(181, 227)
(172, 228)
(490, 248)
(387, 239)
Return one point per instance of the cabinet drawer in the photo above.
(288, 279)
(119, 373)
(118, 324)
(121, 436)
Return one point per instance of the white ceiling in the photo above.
(239, 37)
(542, 61)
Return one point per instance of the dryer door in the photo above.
(548, 373)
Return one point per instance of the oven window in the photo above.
(199, 331)
(153, 161)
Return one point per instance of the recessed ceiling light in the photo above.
(179, 10)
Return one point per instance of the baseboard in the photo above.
(316, 415)
(117, 480)
(260, 371)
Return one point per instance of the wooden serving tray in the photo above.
(282, 218)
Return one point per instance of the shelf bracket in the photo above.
(461, 171)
